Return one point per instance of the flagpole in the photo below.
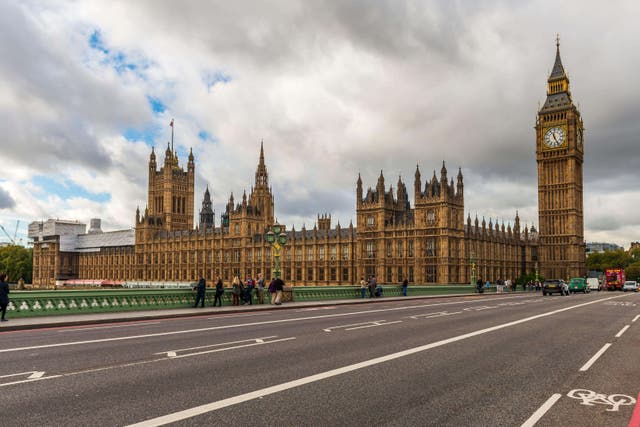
(171, 136)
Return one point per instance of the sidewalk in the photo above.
(38, 322)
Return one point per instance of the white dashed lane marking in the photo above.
(595, 357)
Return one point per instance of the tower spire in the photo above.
(262, 178)
(261, 162)
(558, 69)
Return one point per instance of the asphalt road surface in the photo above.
(495, 360)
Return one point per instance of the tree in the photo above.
(633, 271)
(17, 261)
(609, 259)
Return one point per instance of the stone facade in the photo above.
(560, 155)
(428, 243)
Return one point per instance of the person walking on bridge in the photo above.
(4, 296)
(279, 285)
(201, 287)
(219, 293)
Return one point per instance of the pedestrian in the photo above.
(363, 287)
(200, 288)
(372, 286)
(242, 295)
(236, 290)
(499, 284)
(260, 289)
(272, 290)
(405, 285)
(279, 285)
(219, 293)
(4, 296)
(249, 291)
(479, 284)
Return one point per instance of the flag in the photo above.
(171, 124)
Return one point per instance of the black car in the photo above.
(555, 286)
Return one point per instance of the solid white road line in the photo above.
(213, 406)
(108, 327)
(636, 318)
(242, 325)
(533, 419)
(595, 357)
(622, 331)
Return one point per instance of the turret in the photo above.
(230, 205)
(359, 191)
(380, 188)
(417, 185)
(443, 180)
(207, 216)
(191, 163)
(152, 160)
(434, 186)
(168, 163)
(460, 188)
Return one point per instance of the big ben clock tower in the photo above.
(560, 154)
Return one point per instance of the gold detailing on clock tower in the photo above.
(559, 153)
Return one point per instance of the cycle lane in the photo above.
(606, 390)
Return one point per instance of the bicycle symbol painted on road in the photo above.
(590, 398)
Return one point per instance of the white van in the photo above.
(593, 283)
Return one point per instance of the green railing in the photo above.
(320, 293)
(48, 303)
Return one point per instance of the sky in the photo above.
(333, 89)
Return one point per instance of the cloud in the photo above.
(6, 201)
(333, 89)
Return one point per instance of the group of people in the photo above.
(375, 289)
(242, 292)
(507, 285)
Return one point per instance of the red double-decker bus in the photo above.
(614, 278)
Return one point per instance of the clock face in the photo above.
(554, 137)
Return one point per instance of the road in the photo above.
(495, 360)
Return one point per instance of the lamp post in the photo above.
(473, 261)
(277, 239)
(536, 271)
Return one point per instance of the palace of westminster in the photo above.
(428, 243)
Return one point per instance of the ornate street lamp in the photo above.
(277, 239)
(473, 261)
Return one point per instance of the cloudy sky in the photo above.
(333, 88)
